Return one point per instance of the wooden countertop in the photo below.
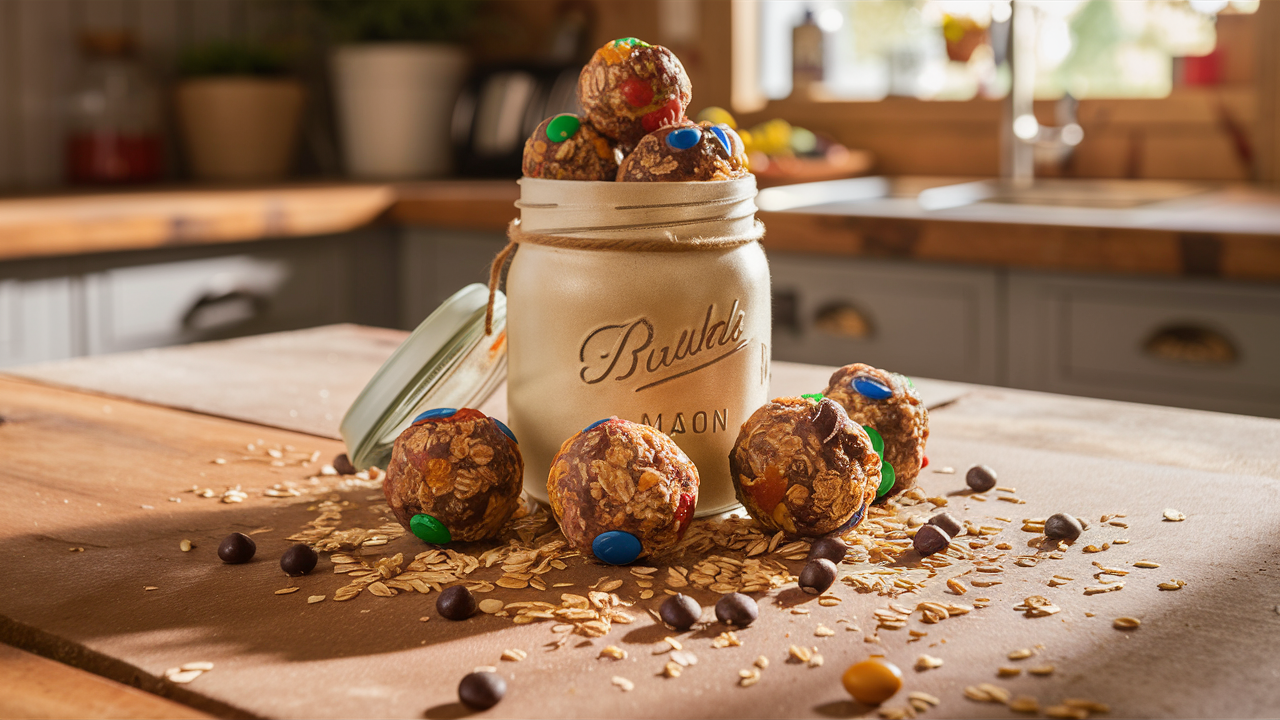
(1231, 233)
(88, 467)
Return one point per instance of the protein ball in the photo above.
(454, 475)
(948, 522)
(872, 681)
(237, 548)
(801, 466)
(737, 609)
(456, 603)
(980, 478)
(818, 575)
(889, 404)
(481, 690)
(298, 560)
(680, 611)
(631, 88)
(566, 148)
(686, 153)
(1061, 526)
(831, 548)
(930, 539)
(621, 491)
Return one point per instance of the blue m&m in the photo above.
(595, 424)
(870, 387)
(436, 414)
(684, 138)
(616, 547)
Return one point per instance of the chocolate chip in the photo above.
(298, 560)
(680, 611)
(831, 548)
(947, 523)
(826, 419)
(818, 575)
(981, 478)
(737, 609)
(456, 603)
(236, 548)
(931, 539)
(1062, 526)
(343, 465)
(481, 690)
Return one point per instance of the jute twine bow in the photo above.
(669, 243)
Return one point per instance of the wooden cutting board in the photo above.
(84, 471)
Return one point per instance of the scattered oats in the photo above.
(726, 639)
(149, 588)
(1172, 515)
(672, 669)
(185, 545)
(815, 660)
(148, 507)
(613, 651)
(1011, 499)
(986, 583)
(1004, 546)
(610, 586)
(684, 658)
(327, 470)
(1000, 488)
(927, 662)
(1065, 711)
(747, 678)
(646, 594)
(1092, 549)
(1038, 606)
(829, 601)
(316, 599)
(219, 461)
(1024, 704)
(956, 586)
(1041, 670)
(761, 662)
(488, 606)
(1006, 671)
(1126, 623)
(623, 683)
(1021, 654)
(77, 549)
(1099, 589)
(1172, 585)
(672, 643)
(1120, 541)
(799, 654)
(183, 676)
(286, 591)
(1146, 564)
(823, 631)
(923, 697)
(485, 668)
(948, 470)
(799, 611)
(424, 618)
(996, 693)
(1119, 524)
(937, 501)
(514, 655)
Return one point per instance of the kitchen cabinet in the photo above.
(934, 321)
(37, 318)
(1198, 344)
(436, 263)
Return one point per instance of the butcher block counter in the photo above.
(100, 457)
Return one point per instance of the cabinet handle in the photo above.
(1191, 344)
(844, 320)
(219, 310)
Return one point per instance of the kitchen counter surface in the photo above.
(97, 468)
(1231, 232)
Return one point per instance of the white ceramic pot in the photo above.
(240, 129)
(395, 104)
(679, 340)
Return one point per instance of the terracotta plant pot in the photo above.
(240, 129)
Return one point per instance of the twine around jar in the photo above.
(666, 243)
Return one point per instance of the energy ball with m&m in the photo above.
(686, 153)
(888, 404)
(801, 466)
(621, 490)
(454, 475)
(631, 88)
(565, 147)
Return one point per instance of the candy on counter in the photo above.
(1061, 526)
(980, 478)
(930, 539)
(818, 575)
(454, 475)
(481, 690)
(456, 603)
(565, 147)
(831, 548)
(888, 403)
(298, 560)
(237, 548)
(872, 681)
(631, 88)
(621, 491)
(685, 153)
(680, 611)
(737, 609)
(802, 466)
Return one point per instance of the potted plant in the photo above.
(396, 76)
(238, 111)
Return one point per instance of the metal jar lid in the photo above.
(447, 362)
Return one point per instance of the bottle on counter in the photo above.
(806, 56)
(114, 126)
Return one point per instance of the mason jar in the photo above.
(645, 301)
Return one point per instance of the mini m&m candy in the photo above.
(622, 491)
(455, 475)
(889, 404)
(685, 153)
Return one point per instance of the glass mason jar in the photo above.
(648, 301)
(114, 134)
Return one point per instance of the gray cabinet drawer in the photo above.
(437, 263)
(1192, 344)
(155, 301)
(38, 321)
(918, 319)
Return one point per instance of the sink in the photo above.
(1113, 194)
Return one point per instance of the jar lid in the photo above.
(447, 362)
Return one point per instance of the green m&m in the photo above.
(887, 474)
(429, 529)
(562, 127)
